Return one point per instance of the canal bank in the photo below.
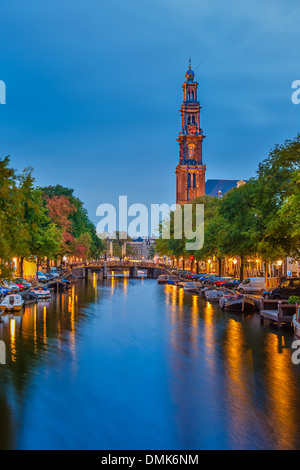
(128, 364)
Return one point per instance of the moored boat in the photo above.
(162, 279)
(203, 290)
(40, 292)
(172, 280)
(191, 287)
(237, 303)
(73, 279)
(180, 284)
(213, 295)
(12, 302)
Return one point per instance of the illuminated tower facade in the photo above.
(190, 172)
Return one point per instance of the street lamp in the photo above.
(235, 263)
(279, 265)
(257, 261)
(209, 263)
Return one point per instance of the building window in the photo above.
(189, 180)
(194, 180)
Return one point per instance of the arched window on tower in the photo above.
(189, 180)
(192, 96)
(189, 119)
(193, 120)
(189, 96)
(194, 180)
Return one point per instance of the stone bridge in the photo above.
(152, 270)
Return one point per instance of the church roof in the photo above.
(213, 186)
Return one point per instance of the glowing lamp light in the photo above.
(279, 262)
(234, 261)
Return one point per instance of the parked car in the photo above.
(288, 287)
(22, 282)
(203, 277)
(50, 277)
(11, 286)
(54, 272)
(4, 291)
(42, 277)
(208, 281)
(19, 285)
(220, 281)
(256, 285)
(232, 284)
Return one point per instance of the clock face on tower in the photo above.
(192, 129)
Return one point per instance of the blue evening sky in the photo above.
(94, 89)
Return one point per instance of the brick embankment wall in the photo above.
(79, 272)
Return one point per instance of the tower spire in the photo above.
(190, 172)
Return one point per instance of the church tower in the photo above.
(190, 172)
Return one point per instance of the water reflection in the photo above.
(282, 394)
(126, 363)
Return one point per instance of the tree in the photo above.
(238, 214)
(277, 196)
(213, 227)
(151, 252)
(59, 210)
(80, 247)
(13, 233)
(290, 213)
(77, 221)
(37, 226)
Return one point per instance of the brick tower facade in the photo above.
(190, 172)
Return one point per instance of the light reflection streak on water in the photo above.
(113, 283)
(125, 283)
(237, 380)
(72, 335)
(170, 300)
(13, 339)
(195, 320)
(95, 286)
(281, 393)
(209, 336)
(35, 328)
(45, 324)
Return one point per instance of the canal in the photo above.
(129, 364)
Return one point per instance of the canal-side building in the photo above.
(141, 247)
(190, 172)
